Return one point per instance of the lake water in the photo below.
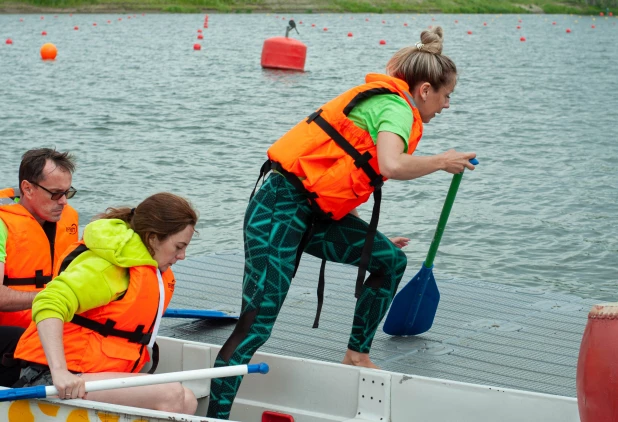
(143, 112)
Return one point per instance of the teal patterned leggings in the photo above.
(275, 221)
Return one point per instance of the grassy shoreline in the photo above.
(301, 6)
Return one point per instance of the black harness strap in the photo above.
(138, 336)
(39, 280)
(321, 284)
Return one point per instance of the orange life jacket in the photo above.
(112, 337)
(340, 178)
(30, 259)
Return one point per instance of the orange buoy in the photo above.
(382, 42)
(568, 31)
(283, 52)
(48, 51)
(43, 33)
(349, 34)
(197, 46)
(200, 37)
(9, 41)
(596, 380)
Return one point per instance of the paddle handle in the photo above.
(446, 210)
(197, 313)
(42, 391)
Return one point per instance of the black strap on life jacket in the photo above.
(39, 280)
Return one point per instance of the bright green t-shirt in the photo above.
(4, 233)
(384, 113)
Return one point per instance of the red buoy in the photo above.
(522, 39)
(284, 53)
(568, 31)
(349, 34)
(197, 46)
(43, 33)
(596, 379)
(382, 42)
(9, 41)
(200, 37)
(469, 32)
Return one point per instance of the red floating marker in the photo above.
(456, 21)
(128, 17)
(522, 39)
(42, 17)
(200, 37)
(595, 380)
(405, 24)
(326, 29)
(349, 34)
(518, 27)
(382, 42)
(197, 46)
(43, 33)
(284, 53)
(199, 31)
(484, 23)
(553, 23)
(568, 31)
(519, 21)
(469, 32)
(611, 13)
(21, 19)
(119, 19)
(366, 19)
(593, 27)
(9, 41)
(76, 28)
(601, 14)
(313, 25)
(300, 22)
(109, 21)
(94, 24)
(383, 21)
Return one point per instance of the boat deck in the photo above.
(483, 333)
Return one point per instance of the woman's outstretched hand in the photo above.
(455, 162)
(399, 241)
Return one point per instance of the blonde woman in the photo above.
(323, 168)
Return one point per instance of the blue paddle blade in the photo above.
(414, 307)
(426, 310)
(198, 314)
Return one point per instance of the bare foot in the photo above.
(358, 359)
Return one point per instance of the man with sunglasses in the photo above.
(36, 226)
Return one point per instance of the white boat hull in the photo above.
(314, 391)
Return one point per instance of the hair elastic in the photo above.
(419, 45)
(132, 212)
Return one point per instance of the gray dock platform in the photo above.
(484, 333)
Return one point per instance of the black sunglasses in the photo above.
(69, 193)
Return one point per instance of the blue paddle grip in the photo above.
(37, 392)
(473, 161)
(261, 368)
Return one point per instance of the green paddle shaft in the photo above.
(446, 210)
